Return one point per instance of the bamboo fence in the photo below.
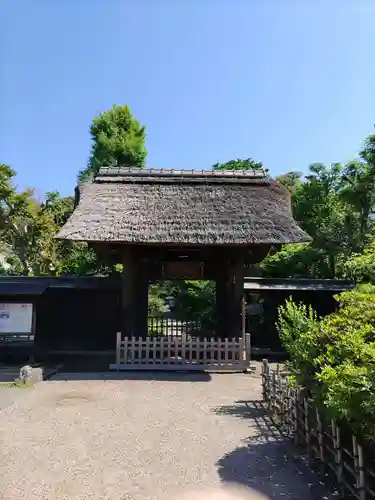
(324, 442)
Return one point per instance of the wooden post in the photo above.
(243, 316)
(141, 298)
(236, 295)
(264, 375)
(320, 437)
(297, 418)
(222, 294)
(128, 310)
(118, 350)
(273, 398)
(338, 455)
(307, 428)
(248, 348)
(280, 393)
(246, 353)
(361, 474)
(33, 330)
(359, 469)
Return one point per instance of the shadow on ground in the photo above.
(268, 462)
(144, 375)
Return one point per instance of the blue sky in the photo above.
(285, 82)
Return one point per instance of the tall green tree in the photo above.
(298, 261)
(358, 190)
(28, 228)
(20, 225)
(59, 207)
(118, 139)
(291, 180)
(320, 212)
(71, 257)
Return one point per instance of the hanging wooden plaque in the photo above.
(182, 270)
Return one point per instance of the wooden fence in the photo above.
(338, 453)
(181, 353)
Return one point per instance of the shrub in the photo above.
(361, 266)
(348, 395)
(334, 357)
(298, 330)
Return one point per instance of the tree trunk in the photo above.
(332, 264)
(364, 224)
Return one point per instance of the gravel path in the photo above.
(143, 438)
(9, 395)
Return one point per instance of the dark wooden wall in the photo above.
(77, 319)
(85, 314)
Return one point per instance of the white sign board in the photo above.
(16, 318)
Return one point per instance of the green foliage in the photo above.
(118, 140)
(79, 260)
(358, 188)
(297, 261)
(361, 266)
(349, 396)
(27, 233)
(59, 208)
(27, 230)
(297, 327)
(333, 205)
(291, 180)
(334, 357)
(156, 299)
(239, 164)
(196, 299)
(317, 207)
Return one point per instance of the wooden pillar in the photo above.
(221, 306)
(128, 293)
(141, 298)
(236, 297)
(222, 279)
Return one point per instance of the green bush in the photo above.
(361, 266)
(297, 327)
(348, 395)
(334, 357)
(156, 300)
(196, 300)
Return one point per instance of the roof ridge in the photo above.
(185, 173)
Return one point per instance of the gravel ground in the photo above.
(144, 437)
(10, 395)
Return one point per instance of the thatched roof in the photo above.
(183, 207)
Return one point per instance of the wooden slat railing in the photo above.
(188, 353)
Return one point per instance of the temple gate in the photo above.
(182, 224)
